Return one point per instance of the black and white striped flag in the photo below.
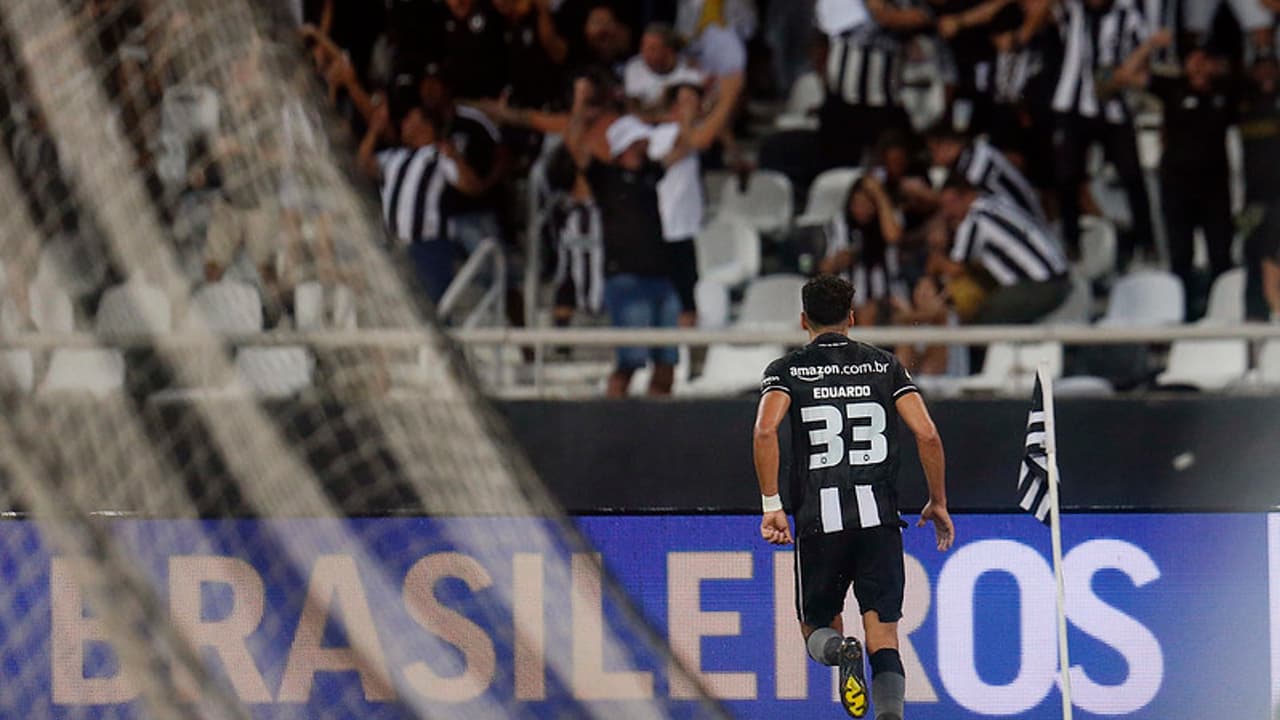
(1033, 482)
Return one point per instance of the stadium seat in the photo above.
(1010, 368)
(713, 183)
(275, 372)
(1097, 248)
(312, 312)
(731, 369)
(225, 307)
(1226, 298)
(827, 196)
(17, 371)
(1205, 364)
(772, 301)
(1146, 298)
(97, 371)
(1212, 364)
(1083, 386)
(1269, 363)
(133, 307)
(712, 298)
(344, 308)
(766, 202)
(308, 306)
(1076, 308)
(807, 94)
(728, 251)
(51, 310)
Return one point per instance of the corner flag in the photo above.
(1038, 495)
(1033, 483)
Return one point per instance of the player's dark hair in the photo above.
(827, 300)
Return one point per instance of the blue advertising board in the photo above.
(1170, 616)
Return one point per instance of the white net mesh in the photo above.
(241, 475)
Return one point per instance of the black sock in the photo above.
(888, 684)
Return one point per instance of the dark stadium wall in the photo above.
(1160, 454)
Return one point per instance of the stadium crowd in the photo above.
(973, 214)
(965, 210)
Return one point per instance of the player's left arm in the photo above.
(912, 410)
(772, 409)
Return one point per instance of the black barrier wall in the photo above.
(1157, 454)
(1182, 453)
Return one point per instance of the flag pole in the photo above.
(1055, 532)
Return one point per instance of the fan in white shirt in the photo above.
(681, 200)
(647, 75)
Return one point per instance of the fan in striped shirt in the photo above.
(1099, 37)
(994, 239)
(863, 77)
(414, 175)
(984, 166)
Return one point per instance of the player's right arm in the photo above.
(773, 407)
(912, 410)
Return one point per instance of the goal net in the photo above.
(242, 473)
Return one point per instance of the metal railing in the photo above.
(928, 335)
(494, 299)
(393, 338)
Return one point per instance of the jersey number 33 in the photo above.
(868, 443)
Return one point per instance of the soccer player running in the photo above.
(844, 399)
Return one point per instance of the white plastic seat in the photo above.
(714, 182)
(133, 307)
(712, 299)
(1098, 247)
(1206, 364)
(311, 312)
(51, 310)
(1269, 363)
(772, 301)
(308, 306)
(807, 94)
(766, 202)
(827, 196)
(1010, 368)
(1083, 386)
(1075, 309)
(732, 369)
(226, 307)
(96, 371)
(344, 308)
(1147, 298)
(1226, 298)
(17, 371)
(275, 372)
(728, 251)
(1212, 364)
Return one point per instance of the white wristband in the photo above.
(770, 503)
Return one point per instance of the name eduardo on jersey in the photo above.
(844, 433)
(841, 391)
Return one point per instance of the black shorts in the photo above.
(826, 564)
(682, 260)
